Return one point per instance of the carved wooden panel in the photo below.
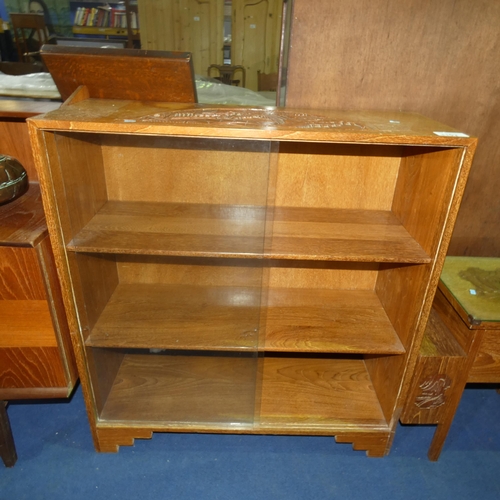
(432, 391)
(251, 117)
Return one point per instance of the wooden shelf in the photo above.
(183, 389)
(320, 395)
(179, 317)
(342, 235)
(227, 318)
(200, 230)
(334, 321)
(179, 229)
(93, 30)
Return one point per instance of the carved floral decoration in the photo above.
(433, 392)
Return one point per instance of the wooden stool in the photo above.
(461, 344)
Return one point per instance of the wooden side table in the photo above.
(461, 344)
(36, 357)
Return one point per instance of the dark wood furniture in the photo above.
(462, 344)
(30, 33)
(7, 447)
(19, 68)
(36, 357)
(133, 33)
(122, 73)
(246, 292)
(226, 74)
(435, 58)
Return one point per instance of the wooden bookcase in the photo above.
(247, 270)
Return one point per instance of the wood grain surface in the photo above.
(30, 367)
(144, 75)
(435, 58)
(347, 212)
(191, 389)
(22, 221)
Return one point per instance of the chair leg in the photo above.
(7, 447)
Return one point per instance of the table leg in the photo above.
(7, 447)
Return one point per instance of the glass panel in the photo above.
(175, 388)
(165, 236)
(475, 284)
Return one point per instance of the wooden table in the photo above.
(461, 344)
(36, 358)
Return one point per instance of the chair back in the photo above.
(30, 33)
(227, 74)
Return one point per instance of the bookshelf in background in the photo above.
(102, 19)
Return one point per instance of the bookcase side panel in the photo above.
(424, 192)
(428, 193)
(103, 365)
(98, 278)
(82, 174)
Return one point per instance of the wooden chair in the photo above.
(30, 33)
(133, 35)
(267, 81)
(227, 73)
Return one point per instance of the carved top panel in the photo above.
(249, 118)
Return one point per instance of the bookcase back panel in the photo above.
(322, 275)
(190, 271)
(337, 176)
(184, 170)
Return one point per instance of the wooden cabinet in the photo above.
(36, 357)
(247, 270)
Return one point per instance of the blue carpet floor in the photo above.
(56, 460)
